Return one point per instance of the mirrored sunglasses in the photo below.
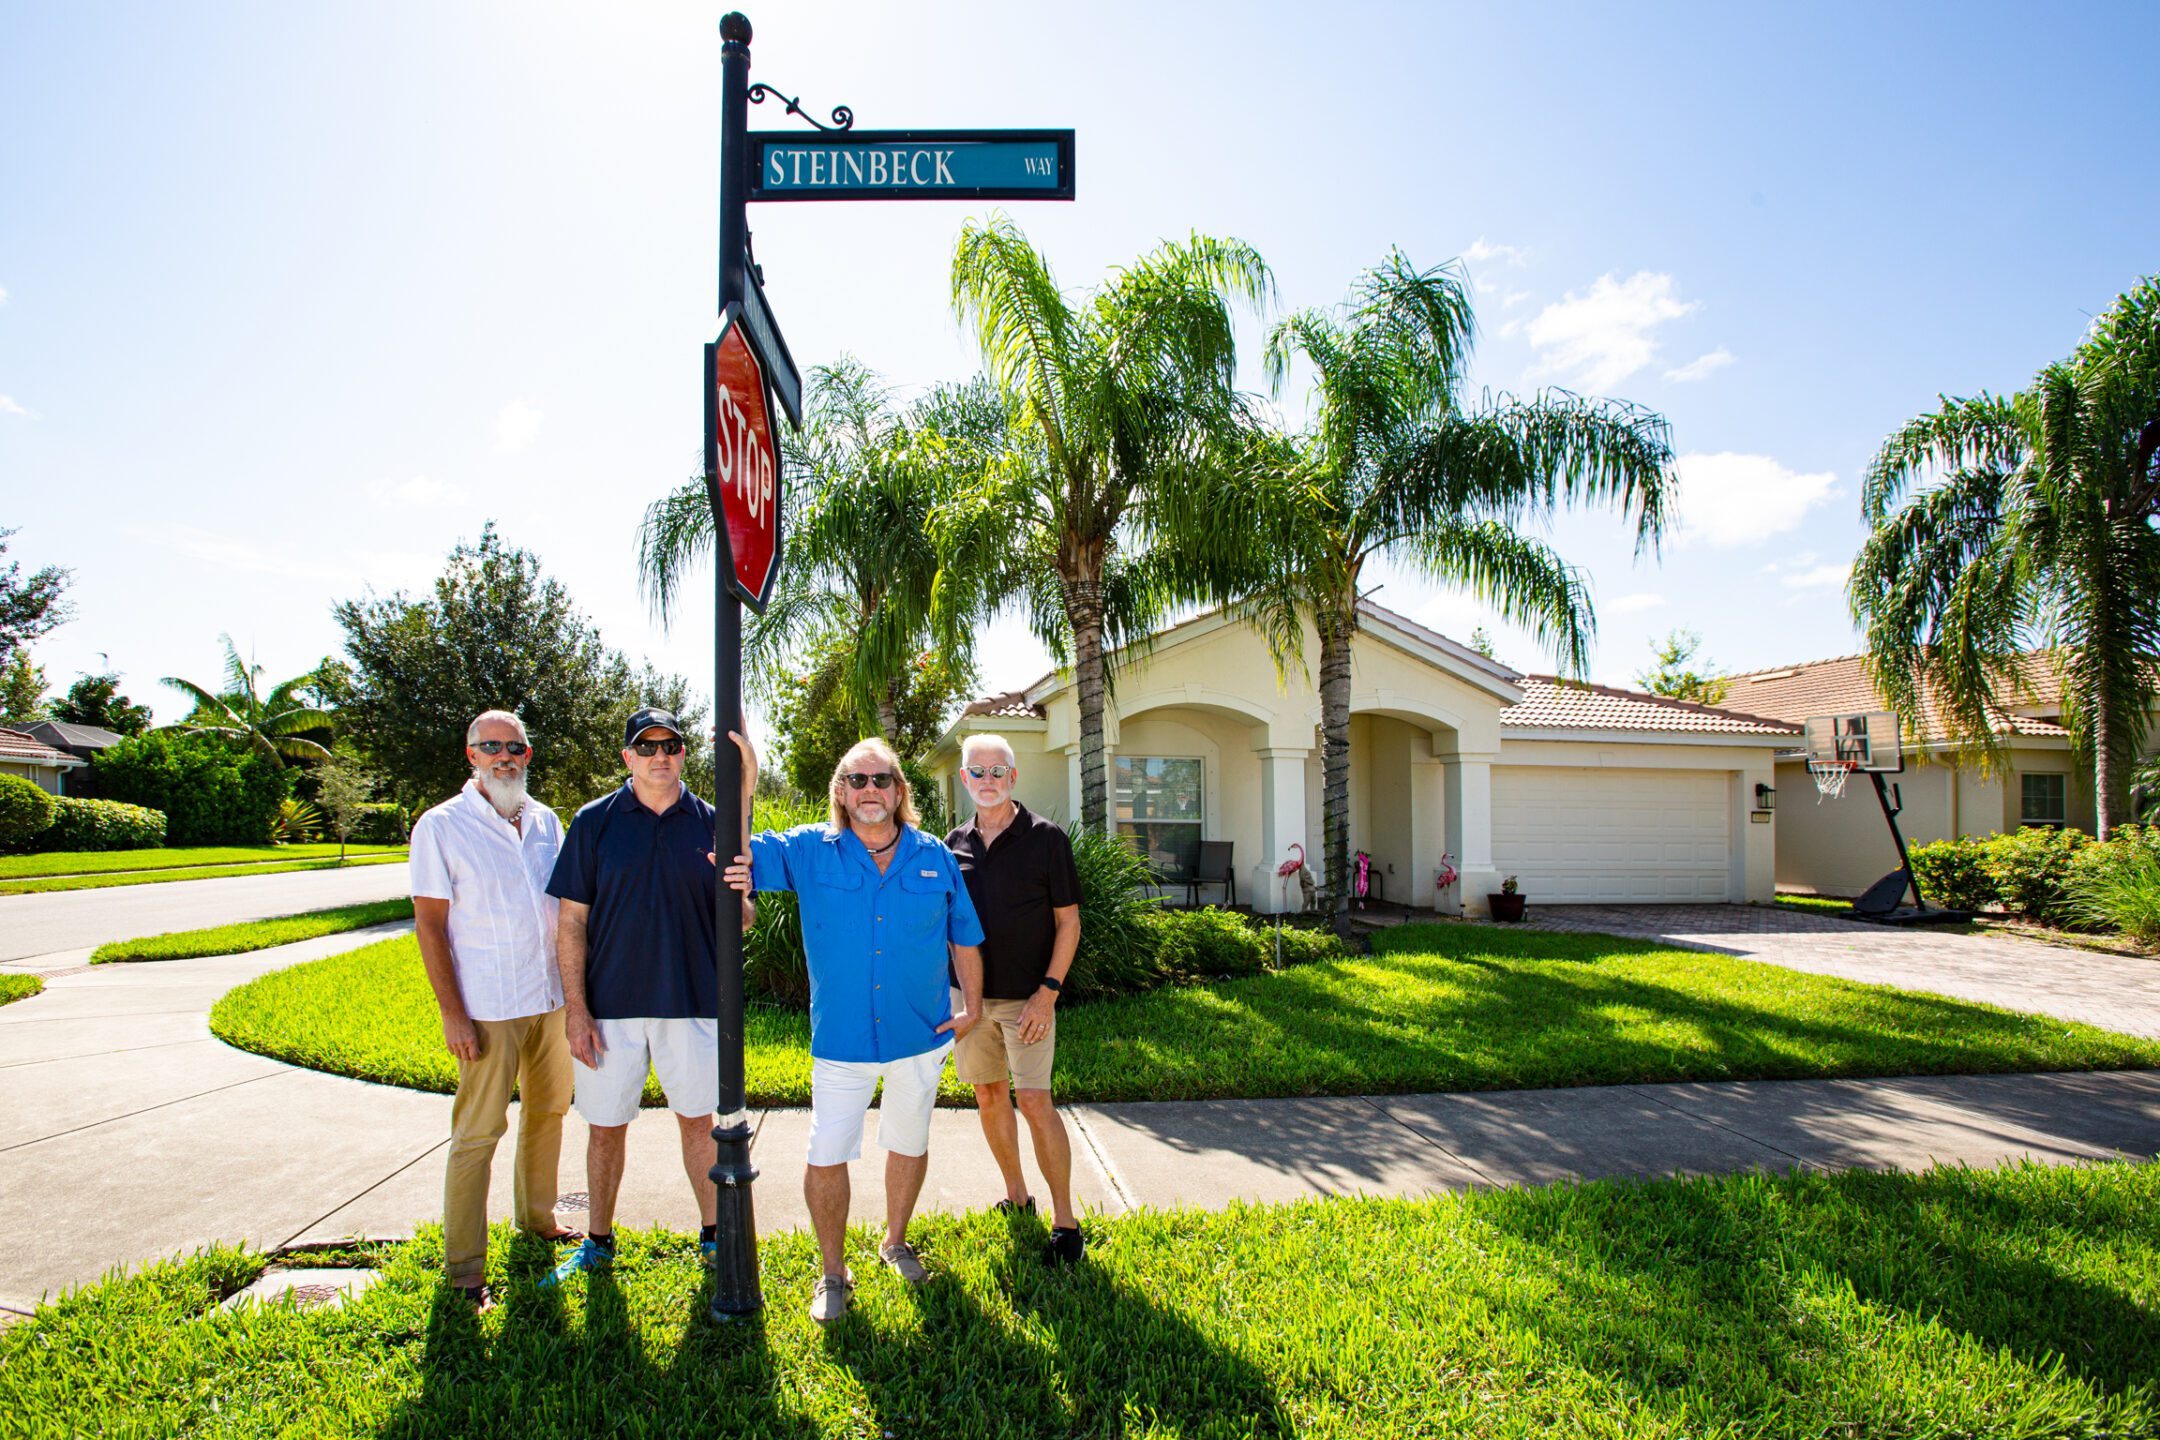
(648, 748)
(497, 747)
(883, 779)
(995, 772)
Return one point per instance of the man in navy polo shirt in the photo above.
(884, 911)
(635, 945)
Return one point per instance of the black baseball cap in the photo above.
(649, 718)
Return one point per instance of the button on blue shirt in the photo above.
(876, 944)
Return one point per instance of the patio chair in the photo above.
(1212, 868)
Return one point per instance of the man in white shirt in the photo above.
(486, 926)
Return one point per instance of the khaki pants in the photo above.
(532, 1054)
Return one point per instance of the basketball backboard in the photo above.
(1865, 740)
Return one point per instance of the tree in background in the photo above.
(1394, 466)
(341, 794)
(813, 730)
(495, 633)
(1673, 672)
(22, 688)
(31, 606)
(96, 700)
(863, 592)
(2035, 529)
(275, 725)
(214, 789)
(1114, 397)
(1482, 643)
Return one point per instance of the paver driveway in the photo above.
(2111, 991)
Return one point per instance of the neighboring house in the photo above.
(84, 742)
(1585, 793)
(23, 754)
(1840, 847)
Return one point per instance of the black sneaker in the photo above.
(1066, 1245)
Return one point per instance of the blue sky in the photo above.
(295, 297)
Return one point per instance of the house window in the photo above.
(1158, 804)
(2044, 800)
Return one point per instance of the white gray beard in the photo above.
(507, 796)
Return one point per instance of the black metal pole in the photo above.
(735, 1268)
(1904, 855)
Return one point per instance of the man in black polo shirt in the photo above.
(1020, 874)
(635, 945)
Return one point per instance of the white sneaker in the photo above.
(829, 1297)
(902, 1257)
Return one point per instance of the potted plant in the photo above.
(1508, 904)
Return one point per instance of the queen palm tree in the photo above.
(1112, 396)
(275, 725)
(2035, 530)
(1394, 466)
(862, 592)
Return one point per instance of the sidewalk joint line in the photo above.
(1655, 1099)
(112, 1015)
(111, 1119)
(94, 1054)
(1459, 1159)
(356, 1199)
(1102, 1160)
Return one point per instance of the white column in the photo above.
(1282, 822)
(1413, 884)
(1469, 829)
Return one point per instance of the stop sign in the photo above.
(742, 460)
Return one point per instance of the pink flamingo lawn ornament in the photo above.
(1293, 866)
(1446, 875)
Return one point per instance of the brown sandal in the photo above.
(562, 1235)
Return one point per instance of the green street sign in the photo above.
(911, 165)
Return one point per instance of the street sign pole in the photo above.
(735, 1292)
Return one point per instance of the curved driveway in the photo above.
(68, 920)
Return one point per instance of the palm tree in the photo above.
(1394, 466)
(275, 725)
(2037, 531)
(1112, 396)
(862, 592)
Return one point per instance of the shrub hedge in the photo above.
(2031, 871)
(213, 791)
(380, 824)
(1953, 874)
(24, 811)
(103, 825)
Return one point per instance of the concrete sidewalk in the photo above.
(35, 928)
(130, 1134)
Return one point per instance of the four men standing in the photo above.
(592, 954)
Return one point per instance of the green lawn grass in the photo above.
(254, 934)
(106, 862)
(1816, 904)
(2008, 1302)
(203, 872)
(19, 987)
(1439, 1007)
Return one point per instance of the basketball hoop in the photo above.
(1830, 777)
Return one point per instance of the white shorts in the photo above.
(684, 1053)
(840, 1094)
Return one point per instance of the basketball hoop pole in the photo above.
(1904, 853)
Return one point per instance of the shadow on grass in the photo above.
(1797, 1285)
(996, 1345)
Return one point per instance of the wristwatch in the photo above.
(1051, 982)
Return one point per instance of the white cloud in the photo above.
(3, 294)
(418, 491)
(1728, 499)
(1514, 255)
(384, 570)
(1599, 338)
(1819, 577)
(516, 425)
(1513, 298)
(1633, 604)
(8, 406)
(1702, 366)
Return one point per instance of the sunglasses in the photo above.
(995, 772)
(883, 779)
(497, 747)
(649, 748)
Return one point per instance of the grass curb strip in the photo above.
(208, 872)
(19, 987)
(254, 934)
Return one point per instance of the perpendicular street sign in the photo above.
(742, 460)
(771, 347)
(911, 165)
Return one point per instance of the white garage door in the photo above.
(1582, 836)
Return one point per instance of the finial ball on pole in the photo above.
(735, 27)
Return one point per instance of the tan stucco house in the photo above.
(1840, 847)
(25, 755)
(1585, 793)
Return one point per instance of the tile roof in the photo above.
(1550, 703)
(1012, 704)
(16, 745)
(60, 734)
(1841, 686)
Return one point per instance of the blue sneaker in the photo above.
(591, 1255)
(708, 1250)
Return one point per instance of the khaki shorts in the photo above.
(993, 1048)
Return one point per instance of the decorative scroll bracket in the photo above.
(842, 115)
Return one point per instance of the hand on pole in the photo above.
(749, 769)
